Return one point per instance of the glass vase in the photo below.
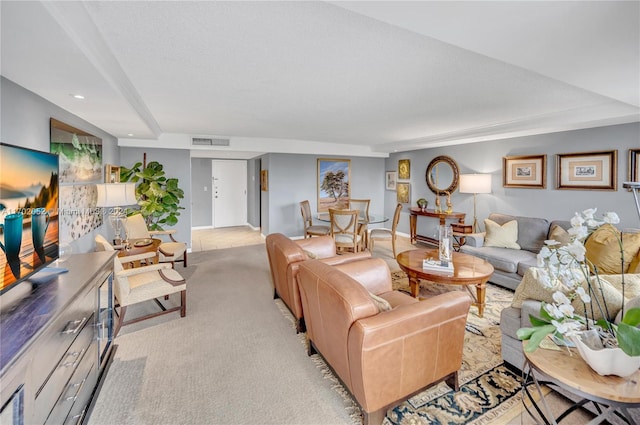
(445, 244)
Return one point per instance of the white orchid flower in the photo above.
(561, 298)
(577, 220)
(583, 294)
(576, 250)
(567, 310)
(567, 327)
(589, 213)
(611, 218)
(553, 311)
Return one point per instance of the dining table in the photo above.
(373, 219)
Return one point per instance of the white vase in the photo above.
(607, 361)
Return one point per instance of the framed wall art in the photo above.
(111, 174)
(587, 171)
(404, 169)
(634, 165)
(390, 179)
(526, 171)
(334, 177)
(403, 193)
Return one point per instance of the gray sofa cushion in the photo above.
(532, 232)
(504, 259)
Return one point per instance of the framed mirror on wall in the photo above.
(443, 175)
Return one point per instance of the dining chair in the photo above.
(362, 205)
(387, 234)
(311, 229)
(146, 283)
(169, 251)
(345, 229)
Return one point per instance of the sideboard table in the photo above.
(442, 216)
(612, 395)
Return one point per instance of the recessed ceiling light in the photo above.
(130, 134)
(77, 96)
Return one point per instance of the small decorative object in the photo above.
(566, 269)
(445, 244)
(437, 208)
(449, 204)
(422, 204)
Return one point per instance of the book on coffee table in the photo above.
(436, 265)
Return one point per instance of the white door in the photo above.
(229, 193)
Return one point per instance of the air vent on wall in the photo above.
(206, 141)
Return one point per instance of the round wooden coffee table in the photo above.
(467, 270)
(613, 394)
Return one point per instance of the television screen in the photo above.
(28, 212)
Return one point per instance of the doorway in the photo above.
(229, 193)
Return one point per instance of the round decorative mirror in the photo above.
(442, 175)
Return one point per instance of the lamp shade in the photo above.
(475, 183)
(116, 194)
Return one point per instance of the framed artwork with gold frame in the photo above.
(404, 169)
(587, 171)
(634, 165)
(403, 193)
(264, 180)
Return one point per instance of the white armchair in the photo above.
(132, 286)
(169, 252)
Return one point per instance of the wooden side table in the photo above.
(135, 250)
(442, 216)
(611, 394)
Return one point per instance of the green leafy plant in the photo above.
(158, 196)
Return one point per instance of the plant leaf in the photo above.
(632, 317)
(537, 322)
(537, 337)
(629, 339)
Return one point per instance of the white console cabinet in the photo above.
(56, 339)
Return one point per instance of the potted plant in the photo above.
(158, 196)
(566, 270)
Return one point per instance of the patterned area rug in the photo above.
(487, 388)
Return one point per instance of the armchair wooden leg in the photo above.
(452, 381)
(300, 326)
(393, 245)
(185, 259)
(183, 303)
(374, 418)
(123, 310)
(311, 350)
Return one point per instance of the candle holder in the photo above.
(445, 245)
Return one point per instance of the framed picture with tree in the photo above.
(334, 177)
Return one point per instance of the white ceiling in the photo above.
(373, 77)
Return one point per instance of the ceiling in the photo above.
(366, 77)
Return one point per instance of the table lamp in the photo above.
(475, 183)
(115, 196)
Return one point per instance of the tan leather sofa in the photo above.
(382, 357)
(285, 256)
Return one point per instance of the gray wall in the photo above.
(201, 190)
(486, 157)
(176, 164)
(293, 178)
(253, 192)
(25, 122)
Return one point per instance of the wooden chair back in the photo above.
(362, 205)
(345, 229)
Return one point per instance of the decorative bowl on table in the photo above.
(422, 203)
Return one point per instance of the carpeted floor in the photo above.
(235, 359)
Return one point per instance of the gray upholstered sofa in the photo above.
(511, 264)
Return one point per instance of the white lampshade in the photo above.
(475, 183)
(116, 194)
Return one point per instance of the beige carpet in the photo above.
(234, 359)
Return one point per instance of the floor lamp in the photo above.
(475, 183)
(114, 196)
(634, 187)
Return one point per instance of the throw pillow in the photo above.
(504, 236)
(634, 267)
(558, 234)
(381, 303)
(603, 249)
(310, 254)
(531, 288)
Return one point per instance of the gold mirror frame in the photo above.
(442, 160)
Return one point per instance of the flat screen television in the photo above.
(29, 234)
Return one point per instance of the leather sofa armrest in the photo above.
(407, 348)
(320, 246)
(474, 239)
(346, 258)
(372, 273)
